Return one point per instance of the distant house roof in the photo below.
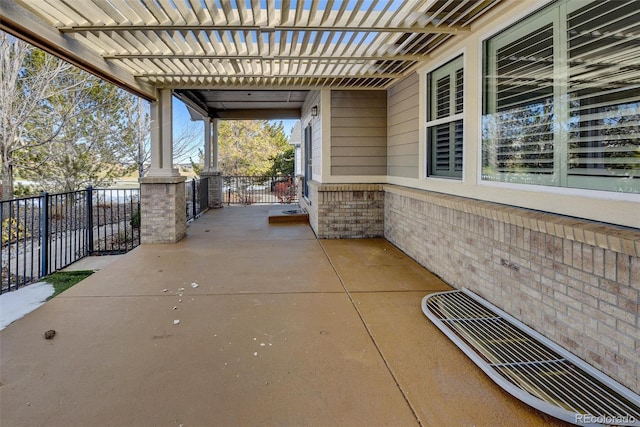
(296, 134)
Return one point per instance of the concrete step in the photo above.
(288, 214)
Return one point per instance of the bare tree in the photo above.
(136, 128)
(187, 142)
(135, 132)
(87, 151)
(25, 85)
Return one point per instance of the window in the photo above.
(308, 157)
(444, 120)
(562, 98)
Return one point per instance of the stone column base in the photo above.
(163, 213)
(215, 188)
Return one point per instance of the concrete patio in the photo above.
(281, 330)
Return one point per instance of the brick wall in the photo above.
(163, 209)
(574, 281)
(341, 211)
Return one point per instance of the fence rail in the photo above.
(46, 233)
(197, 195)
(249, 190)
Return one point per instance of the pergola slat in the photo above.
(60, 13)
(167, 9)
(355, 44)
(89, 12)
(116, 16)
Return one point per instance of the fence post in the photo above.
(193, 197)
(44, 235)
(90, 220)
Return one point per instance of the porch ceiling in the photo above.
(245, 104)
(258, 44)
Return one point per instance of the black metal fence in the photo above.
(115, 222)
(249, 190)
(197, 195)
(46, 233)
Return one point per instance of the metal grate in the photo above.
(529, 366)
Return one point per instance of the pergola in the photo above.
(236, 59)
(257, 44)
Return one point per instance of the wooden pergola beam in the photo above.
(340, 58)
(427, 29)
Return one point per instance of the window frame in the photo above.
(308, 157)
(558, 14)
(449, 67)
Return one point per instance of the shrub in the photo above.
(13, 231)
(285, 191)
(135, 219)
(25, 190)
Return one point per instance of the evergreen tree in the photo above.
(249, 147)
(284, 162)
(88, 149)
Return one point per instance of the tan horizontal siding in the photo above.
(345, 152)
(352, 132)
(404, 106)
(406, 161)
(337, 95)
(359, 161)
(358, 132)
(406, 84)
(402, 150)
(402, 171)
(403, 123)
(359, 112)
(356, 122)
(360, 141)
(403, 128)
(359, 170)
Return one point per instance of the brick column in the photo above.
(163, 209)
(215, 188)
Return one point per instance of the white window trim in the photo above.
(422, 114)
(564, 191)
(538, 188)
(482, 38)
(448, 119)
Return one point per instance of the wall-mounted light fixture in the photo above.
(314, 111)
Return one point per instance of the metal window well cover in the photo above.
(529, 366)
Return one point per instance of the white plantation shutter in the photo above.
(443, 97)
(562, 98)
(604, 89)
(523, 102)
(457, 147)
(459, 90)
(458, 125)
